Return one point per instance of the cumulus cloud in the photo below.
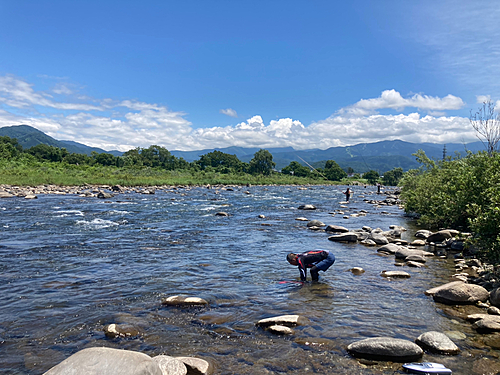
(126, 124)
(229, 112)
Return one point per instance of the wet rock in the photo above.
(197, 366)
(457, 335)
(120, 330)
(302, 219)
(261, 216)
(315, 223)
(490, 323)
(344, 237)
(280, 330)
(368, 242)
(222, 213)
(379, 238)
(389, 248)
(437, 342)
(460, 293)
(184, 301)
(306, 207)
(362, 236)
(405, 252)
(106, 361)
(395, 274)
(30, 196)
(170, 365)
(440, 236)
(4, 194)
(432, 291)
(414, 264)
(493, 310)
(104, 195)
(386, 349)
(423, 233)
(475, 317)
(415, 258)
(357, 270)
(418, 243)
(495, 297)
(284, 320)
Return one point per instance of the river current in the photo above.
(70, 265)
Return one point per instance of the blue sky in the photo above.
(191, 75)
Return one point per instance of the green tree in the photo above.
(333, 172)
(221, 161)
(372, 176)
(298, 169)
(262, 163)
(46, 152)
(392, 177)
(9, 147)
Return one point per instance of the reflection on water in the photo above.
(71, 265)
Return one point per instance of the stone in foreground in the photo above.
(197, 366)
(284, 320)
(437, 342)
(344, 237)
(170, 365)
(184, 301)
(106, 361)
(386, 349)
(461, 293)
(489, 324)
(396, 274)
(280, 330)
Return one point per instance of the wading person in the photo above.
(316, 260)
(347, 194)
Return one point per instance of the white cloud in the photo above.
(126, 124)
(229, 112)
(480, 99)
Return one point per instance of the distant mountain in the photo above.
(28, 136)
(380, 156)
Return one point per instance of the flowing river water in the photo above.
(70, 265)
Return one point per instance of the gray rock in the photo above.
(302, 219)
(284, 320)
(315, 223)
(344, 237)
(120, 330)
(336, 229)
(461, 293)
(423, 233)
(106, 361)
(414, 264)
(386, 349)
(495, 297)
(222, 214)
(357, 270)
(170, 365)
(307, 207)
(491, 323)
(418, 243)
(197, 366)
(30, 196)
(395, 274)
(280, 330)
(493, 310)
(104, 195)
(432, 291)
(184, 301)
(4, 194)
(437, 342)
(389, 248)
(404, 253)
(362, 235)
(415, 258)
(440, 236)
(367, 229)
(368, 242)
(379, 238)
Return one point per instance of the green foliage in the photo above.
(221, 162)
(459, 193)
(9, 147)
(333, 172)
(296, 169)
(262, 163)
(46, 152)
(392, 178)
(371, 176)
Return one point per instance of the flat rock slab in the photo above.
(437, 342)
(284, 320)
(336, 229)
(106, 361)
(386, 349)
(390, 248)
(170, 365)
(344, 237)
(432, 291)
(184, 301)
(489, 324)
(306, 207)
(395, 274)
(461, 293)
(280, 330)
(197, 366)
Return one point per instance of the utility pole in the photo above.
(444, 152)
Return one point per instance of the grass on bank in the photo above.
(25, 172)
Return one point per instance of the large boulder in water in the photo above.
(495, 297)
(315, 223)
(336, 229)
(307, 207)
(488, 324)
(437, 342)
(170, 365)
(344, 237)
(386, 349)
(106, 361)
(460, 293)
(440, 236)
(378, 238)
(390, 248)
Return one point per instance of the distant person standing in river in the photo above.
(316, 260)
(347, 194)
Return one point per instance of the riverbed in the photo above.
(71, 265)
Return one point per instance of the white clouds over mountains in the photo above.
(122, 125)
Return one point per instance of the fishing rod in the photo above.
(311, 167)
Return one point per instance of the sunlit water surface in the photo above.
(71, 265)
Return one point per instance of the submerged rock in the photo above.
(386, 349)
(306, 207)
(284, 320)
(336, 229)
(315, 223)
(437, 342)
(344, 237)
(280, 330)
(396, 274)
(184, 301)
(120, 330)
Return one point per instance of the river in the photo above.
(70, 265)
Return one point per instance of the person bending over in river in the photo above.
(316, 260)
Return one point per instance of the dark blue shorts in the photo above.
(326, 263)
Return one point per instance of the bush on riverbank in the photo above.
(461, 193)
